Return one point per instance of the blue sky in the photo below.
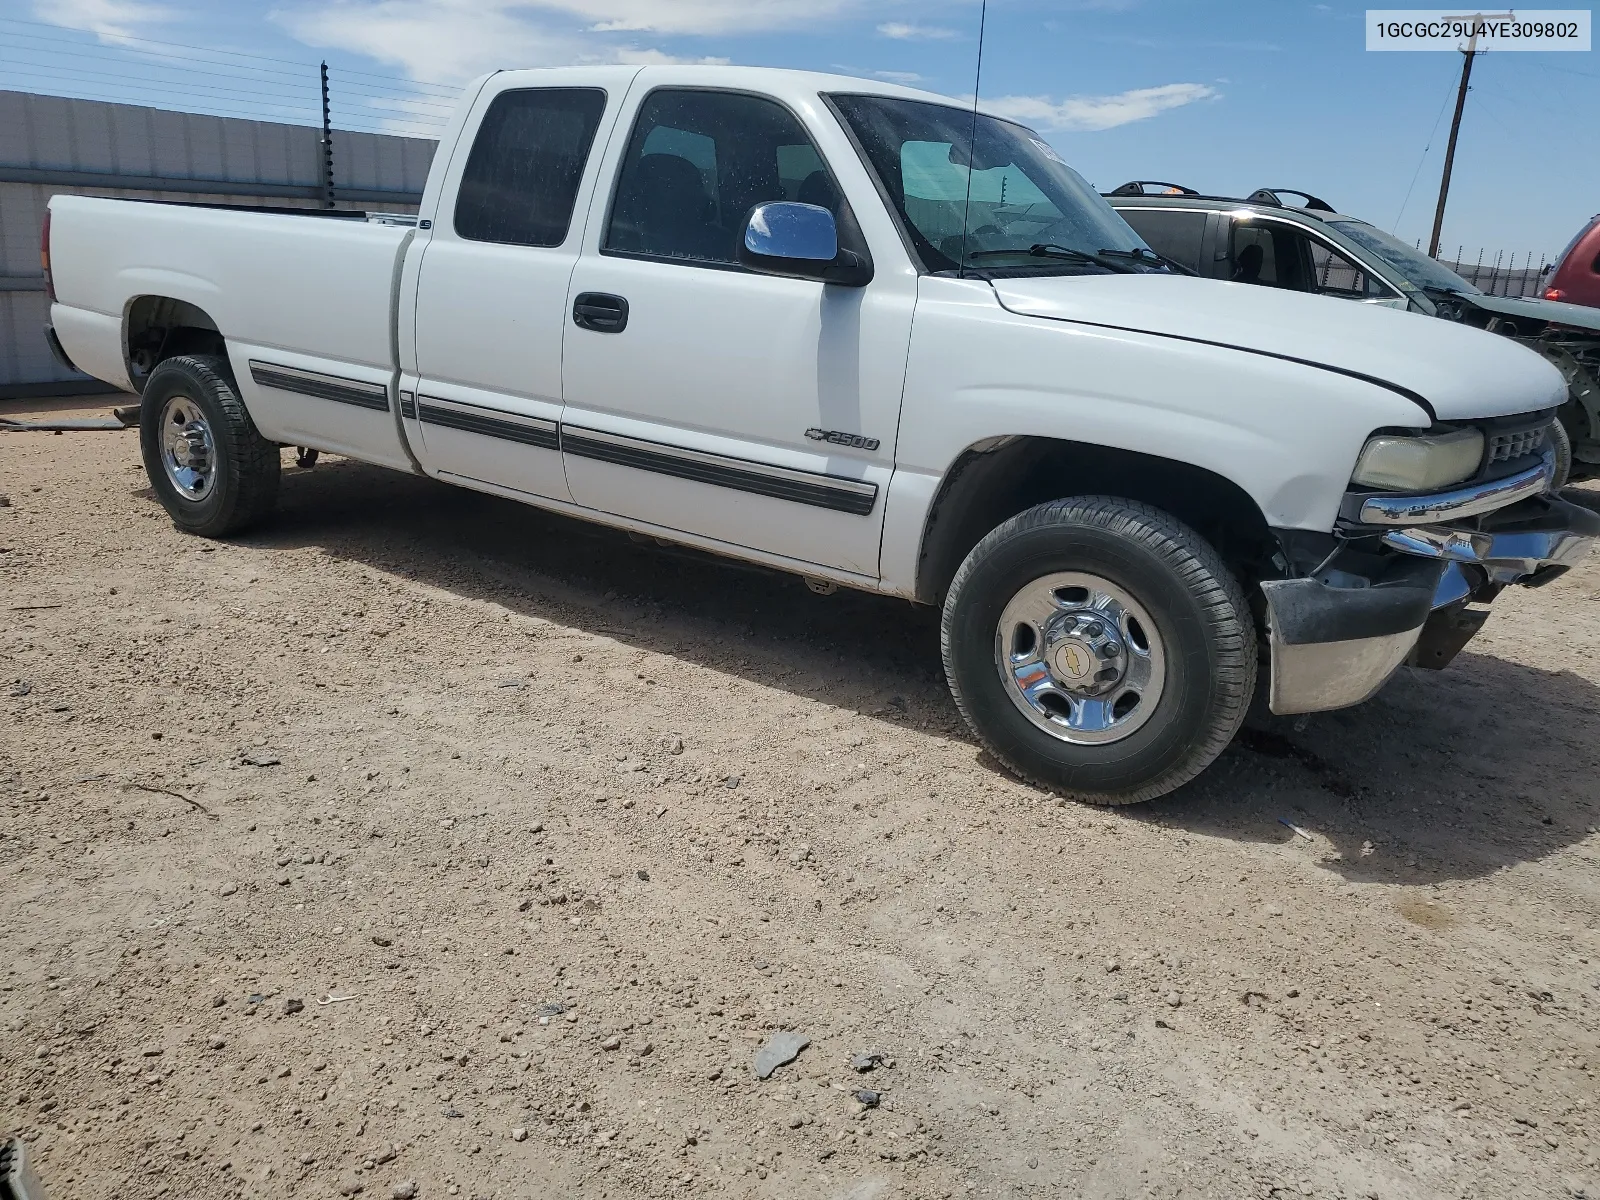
(1224, 97)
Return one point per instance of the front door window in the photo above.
(697, 163)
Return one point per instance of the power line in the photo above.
(372, 103)
(119, 53)
(66, 73)
(173, 92)
(1569, 71)
(203, 106)
(120, 39)
(1414, 175)
(292, 79)
(379, 103)
(367, 89)
(376, 131)
(395, 118)
(257, 110)
(453, 89)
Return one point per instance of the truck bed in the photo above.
(292, 291)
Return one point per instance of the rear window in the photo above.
(521, 179)
(1573, 245)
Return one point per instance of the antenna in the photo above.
(972, 144)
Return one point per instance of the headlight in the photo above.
(1402, 463)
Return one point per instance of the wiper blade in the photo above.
(1051, 250)
(1151, 258)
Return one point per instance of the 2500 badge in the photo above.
(834, 438)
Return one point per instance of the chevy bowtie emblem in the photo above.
(1074, 663)
(834, 438)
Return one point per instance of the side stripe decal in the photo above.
(530, 431)
(802, 487)
(324, 387)
(833, 492)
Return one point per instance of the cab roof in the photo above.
(779, 81)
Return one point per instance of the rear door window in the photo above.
(1171, 232)
(521, 179)
(1253, 254)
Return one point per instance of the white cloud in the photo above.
(444, 40)
(456, 39)
(1088, 113)
(660, 58)
(899, 76)
(696, 16)
(901, 31)
(112, 20)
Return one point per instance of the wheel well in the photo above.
(990, 483)
(157, 328)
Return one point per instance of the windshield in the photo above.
(1023, 195)
(1420, 270)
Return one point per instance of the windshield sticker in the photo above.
(1048, 151)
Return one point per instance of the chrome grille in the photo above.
(1504, 446)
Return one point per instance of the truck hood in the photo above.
(1458, 372)
(1578, 316)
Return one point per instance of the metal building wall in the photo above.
(51, 144)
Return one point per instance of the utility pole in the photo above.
(1455, 122)
(326, 145)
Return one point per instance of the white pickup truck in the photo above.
(858, 333)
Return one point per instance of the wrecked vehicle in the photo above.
(1308, 247)
(861, 334)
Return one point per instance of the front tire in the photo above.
(1561, 442)
(212, 470)
(1100, 648)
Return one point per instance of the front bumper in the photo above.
(1335, 646)
(1527, 539)
(1335, 640)
(1460, 503)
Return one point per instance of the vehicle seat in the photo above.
(1247, 268)
(818, 189)
(667, 210)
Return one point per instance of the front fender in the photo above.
(1286, 433)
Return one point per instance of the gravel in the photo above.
(973, 941)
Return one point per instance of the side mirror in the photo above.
(800, 241)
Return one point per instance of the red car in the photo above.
(1575, 277)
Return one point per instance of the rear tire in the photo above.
(1099, 647)
(213, 471)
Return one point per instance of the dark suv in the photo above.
(1310, 247)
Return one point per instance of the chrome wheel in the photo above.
(1080, 657)
(188, 451)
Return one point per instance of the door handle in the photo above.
(600, 312)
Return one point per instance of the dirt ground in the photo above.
(427, 845)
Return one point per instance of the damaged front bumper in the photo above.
(1333, 644)
(1338, 635)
